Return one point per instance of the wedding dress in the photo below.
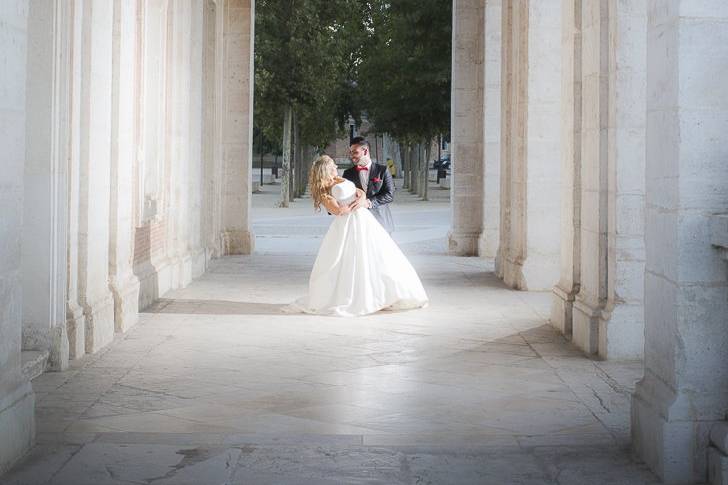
(359, 269)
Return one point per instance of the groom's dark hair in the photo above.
(359, 140)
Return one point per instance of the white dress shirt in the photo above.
(364, 176)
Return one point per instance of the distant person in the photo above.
(392, 167)
(359, 269)
(374, 179)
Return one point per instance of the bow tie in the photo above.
(359, 168)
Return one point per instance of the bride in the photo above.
(359, 269)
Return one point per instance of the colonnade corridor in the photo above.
(215, 385)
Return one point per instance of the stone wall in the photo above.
(16, 395)
(684, 392)
(128, 126)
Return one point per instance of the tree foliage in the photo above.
(305, 56)
(406, 68)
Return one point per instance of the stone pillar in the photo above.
(718, 451)
(684, 392)
(179, 157)
(94, 175)
(466, 150)
(211, 126)
(123, 282)
(490, 237)
(528, 255)
(75, 319)
(16, 395)
(44, 221)
(195, 179)
(568, 285)
(236, 84)
(607, 316)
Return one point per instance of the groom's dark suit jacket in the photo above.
(380, 192)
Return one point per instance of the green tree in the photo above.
(305, 56)
(405, 75)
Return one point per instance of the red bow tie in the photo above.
(359, 168)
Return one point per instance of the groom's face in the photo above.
(359, 154)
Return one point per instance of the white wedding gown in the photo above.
(359, 269)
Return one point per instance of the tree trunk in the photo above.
(408, 167)
(417, 172)
(294, 161)
(426, 182)
(286, 166)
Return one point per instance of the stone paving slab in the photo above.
(214, 385)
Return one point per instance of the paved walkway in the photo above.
(216, 386)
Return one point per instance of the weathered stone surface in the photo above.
(216, 384)
(16, 395)
(678, 402)
(528, 256)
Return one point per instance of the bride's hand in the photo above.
(359, 202)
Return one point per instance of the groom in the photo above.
(374, 179)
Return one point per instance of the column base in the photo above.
(59, 350)
(511, 272)
(585, 326)
(17, 425)
(237, 242)
(53, 340)
(99, 323)
(126, 302)
(617, 333)
(488, 245)
(75, 330)
(668, 433)
(154, 281)
(463, 243)
(718, 455)
(562, 310)
(199, 263)
(622, 337)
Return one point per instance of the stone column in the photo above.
(196, 182)
(75, 319)
(466, 150)
(94, 175)
(684, 392)
(236, 84)
(718, 451)
(16, 395)
(179, 156)
(490, 237)
(568, 285)
(123, 282)
(44, 221)
(211, 226)
(528, 255)
(608, 309)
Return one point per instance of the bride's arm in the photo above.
(334, 208)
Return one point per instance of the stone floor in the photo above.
(216, 386)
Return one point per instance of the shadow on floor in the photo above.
(215, 307)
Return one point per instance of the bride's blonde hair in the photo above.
(319, 180)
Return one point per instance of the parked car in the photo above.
(442, 164)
